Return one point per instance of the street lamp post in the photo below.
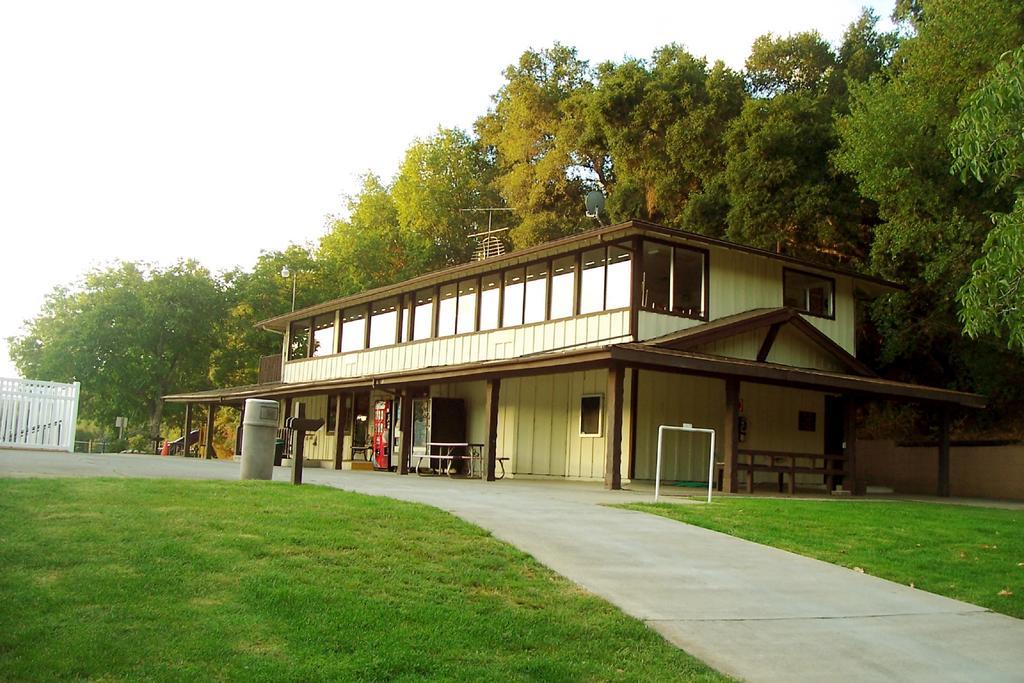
(285, 273)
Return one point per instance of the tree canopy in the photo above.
(130, 334)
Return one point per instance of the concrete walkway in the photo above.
(751, 611)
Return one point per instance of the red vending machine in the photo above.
(381, 442)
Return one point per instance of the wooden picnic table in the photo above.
(448, 453)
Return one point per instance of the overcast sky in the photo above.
(214, 130)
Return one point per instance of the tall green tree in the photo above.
(440, 179)
(367, 249)
(987, 142)
(130, 334)
(664, 123)
(533, 130)
(802, 62)
(932, 223)
(257, 294)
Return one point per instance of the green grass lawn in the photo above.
(969, 553)
(142, 579)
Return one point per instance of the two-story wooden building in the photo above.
(564, 358)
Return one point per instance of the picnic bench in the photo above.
(448, 455)
(829, 466)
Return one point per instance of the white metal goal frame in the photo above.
(686, 427)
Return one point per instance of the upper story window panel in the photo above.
(674, 280)
(447, 307)
(353, 329)
(657, 277)
(515, 288)
(490, 295)
(466, 315)
(688, 283)
(383, 322)
(619, 278)
(808, 293)
(563, 287)
(592, 284)
(535, 305)
(323, 335)
(423, 314)
(298, 340)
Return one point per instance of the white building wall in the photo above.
(596, 329)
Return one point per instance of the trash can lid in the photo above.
(261, 413)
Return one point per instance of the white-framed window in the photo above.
(591, 414)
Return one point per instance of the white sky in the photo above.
(155, 131)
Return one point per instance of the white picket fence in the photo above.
(35, 414)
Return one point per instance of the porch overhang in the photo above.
(638, 355)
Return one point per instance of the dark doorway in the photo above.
(834, 436)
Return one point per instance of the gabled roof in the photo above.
(523, 256)
(772, 319)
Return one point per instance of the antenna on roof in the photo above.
(488, 242)
(595, 204)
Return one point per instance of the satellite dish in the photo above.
(595, 204)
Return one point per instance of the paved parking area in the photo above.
(751, 611)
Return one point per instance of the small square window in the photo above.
(590, 415)
(807, 421)
(807, 293)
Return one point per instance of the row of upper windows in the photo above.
(673, 280)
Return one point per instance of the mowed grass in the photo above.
(968, 553)
(170, 580)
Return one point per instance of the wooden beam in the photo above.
(731, 435)
(339, 430)
(613, 432)
(491, 432)
(636, 287)
(943, 474)
(852, 479)
(211, 412)
(634, 378)
(300, 446)
(405, 428)
(188, 428)
(769, 340)
(238, 430)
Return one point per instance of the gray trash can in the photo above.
(259, 432)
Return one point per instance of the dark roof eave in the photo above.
(637, 354)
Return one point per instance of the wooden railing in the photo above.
(787, 463)
(270, 369)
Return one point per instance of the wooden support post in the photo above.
(852, 480)
(211, 413)
(491, 430)
(613, 433)
(300, 444)
(943, 478)
(635, 287)
(339, 431)
(731, 437)
(634, 378)
(188, 428)
(405, 427)
(238, 429)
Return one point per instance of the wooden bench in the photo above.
(783, 464)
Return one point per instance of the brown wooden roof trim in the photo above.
(611, 233)
(631, 354)
(749, 321)
(643, 355)
(571, 361)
